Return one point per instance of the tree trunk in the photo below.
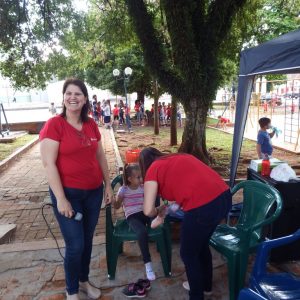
(156, 116)
(173, 130)
(141, 96)
(194, 134)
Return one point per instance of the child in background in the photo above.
(264, 145)
(116, 114)
(131, 196)
(127, 117)
(52, 109)
(223, 121)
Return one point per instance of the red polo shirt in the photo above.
(186, 180)
(76, 160)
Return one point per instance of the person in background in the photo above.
(168, 113)
(52, 109)
(179, 114)
(99, 113)
(137, 110)
(94, 109)
(203, 196)
(223, 122)
(76, 166)
(264, 146)
(127, 117)
(116, 114)
(107, 115)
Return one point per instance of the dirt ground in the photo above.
(143, 137)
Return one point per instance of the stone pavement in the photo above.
(24, 189)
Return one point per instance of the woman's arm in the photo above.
(108, 195)
(49, 151)
(150, 193)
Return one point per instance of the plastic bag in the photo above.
(283, 172)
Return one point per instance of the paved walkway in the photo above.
(24, 189)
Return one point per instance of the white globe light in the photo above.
(128, 71)
(116, 72)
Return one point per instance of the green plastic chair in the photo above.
(120, 232)
(236, 243)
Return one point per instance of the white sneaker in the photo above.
(186, 286)
(72, 297)
(149, 271)
(91, 291)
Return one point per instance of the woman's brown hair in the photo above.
(84, 115)
(147, 157)
(128, 170)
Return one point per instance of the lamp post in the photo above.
(126, 74)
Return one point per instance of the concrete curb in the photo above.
(42, 245)
(120, 164)
(4, 164)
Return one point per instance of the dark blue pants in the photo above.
(78, 235)
(138, 223)
(197, 227)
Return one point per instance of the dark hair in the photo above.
(128, 170)
(84, 115)
(147, 157)
(264, 122)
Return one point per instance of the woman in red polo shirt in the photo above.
(202, 194)
(76, 167)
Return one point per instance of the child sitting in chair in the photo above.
(131, 195)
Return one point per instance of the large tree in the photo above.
(198, 32)
(29, 30)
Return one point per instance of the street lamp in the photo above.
(126, 74)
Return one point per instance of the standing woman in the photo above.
(76, 167)
(204, 197)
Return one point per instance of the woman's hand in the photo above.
(161, 211)
(64, 208)
(108, 195)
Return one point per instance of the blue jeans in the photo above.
(78, 235)
(128, 122)
(197, 227)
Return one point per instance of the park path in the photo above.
(24, 189)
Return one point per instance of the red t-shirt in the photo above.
(186, 180)
(137, 107)
(224, 120)
(115, 112)
(76, 160)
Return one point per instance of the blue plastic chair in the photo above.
(247, 294)
(274, 286)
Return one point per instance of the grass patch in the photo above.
(212, 121)
(7, 149)
(219, 145)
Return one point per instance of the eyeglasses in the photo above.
(85, 140)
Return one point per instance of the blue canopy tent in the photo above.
(278, 56)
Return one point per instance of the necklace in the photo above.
(85, 140)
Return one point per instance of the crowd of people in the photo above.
(120, 114)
